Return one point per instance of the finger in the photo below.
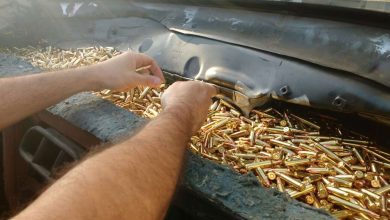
(144, 72)
(156, 70)
(147, 80)
(144, 60)
(212, 89)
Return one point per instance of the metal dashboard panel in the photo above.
(360, 49)
(260, 75)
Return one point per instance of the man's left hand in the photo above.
(120, 73)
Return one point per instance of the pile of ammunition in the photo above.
(348, 176)
(50, 58)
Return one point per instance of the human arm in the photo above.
(137, 178)
(25, 95)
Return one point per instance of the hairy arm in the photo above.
(25, 95)
(135, 179)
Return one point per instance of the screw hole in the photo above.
(284, 90)
(339, 102)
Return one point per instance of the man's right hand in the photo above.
(189, 99)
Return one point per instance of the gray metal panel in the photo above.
(354, 48)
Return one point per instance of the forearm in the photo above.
(134, 179)
(25, 95)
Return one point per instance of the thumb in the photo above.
(147, 80)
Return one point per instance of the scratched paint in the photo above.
(189, 14)
(382, 44)
(235, 21)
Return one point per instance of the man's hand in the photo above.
(189, 99)
(115, 178)
(119, 73)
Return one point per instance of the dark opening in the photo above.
(3, 202)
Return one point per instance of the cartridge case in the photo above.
(355, 167)
(359, 183)
(359, 174)
(353, 193)
(348, 177)
(262, 143)
(329, 142)
(340, 182)
(386, 165)
(283, 123)
(307, 147)
(295, 183)
(342, 214)
(248, 156)
(325, 204)
(308, 189)
(239, 134)
(309, 199)
(271, 175)
(327, 182)
(308, 154)
(383, 205)
(359, 157)
(349, 160)
(299, 173)
(373, 195)
(364, 216)
(327, 151)
(375, 183)
(383, 190)
(281, 170)
(285, 144)
(322, 192)
(371, 205)
(350, 205)
(260, 164)
(318, 170)
(383, 181)
(337, 192)
(316, 203)
(312, 178)
(262, 177)
(280, 184)
(218, 124)
(341, 172)
(297, 162)
(311, 124)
